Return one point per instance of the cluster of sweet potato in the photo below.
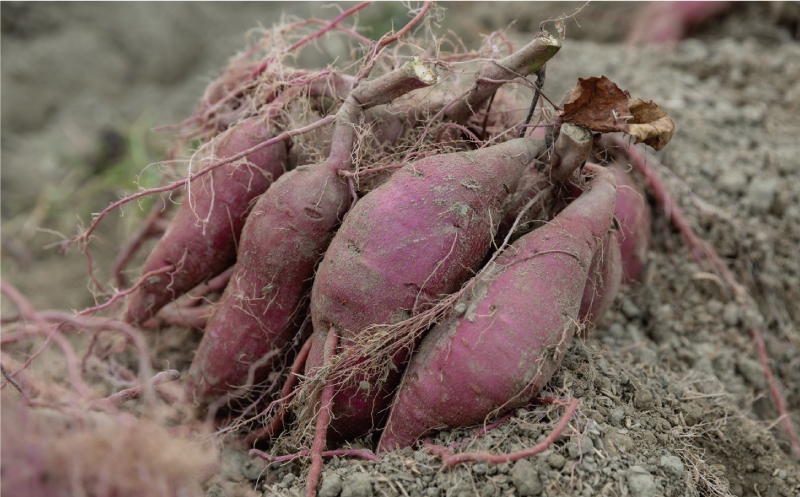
(444, 259)
(416, 245)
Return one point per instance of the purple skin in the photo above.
(519, 320)
(603, 281)
(418, 236)
(633, 214)
(664, 23)
(202, 250)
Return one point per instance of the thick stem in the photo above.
(384, 89)
(521, 63)
(572, 149)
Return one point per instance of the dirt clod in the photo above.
(357, 485)
(641, 482)
(331, 485)
(526, 478)
(672, 466)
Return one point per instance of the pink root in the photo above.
(286, 393)
(136, 392)
(150, 228)
(118, 295)
(331, 25)
(449, 460)
(363, 454)
(323, 420)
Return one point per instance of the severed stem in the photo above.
(522, 63)
(571, 150)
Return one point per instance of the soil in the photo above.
(673, 400)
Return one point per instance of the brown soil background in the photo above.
(673, 400)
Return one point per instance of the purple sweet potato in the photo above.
(603, 281)
(519, 318)
(633, 214)
(416, 237)
(669, 22)
(201, 240)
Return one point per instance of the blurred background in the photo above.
(83, 84)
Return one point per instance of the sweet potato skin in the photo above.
(603, 281)
(413, 239)
(284, 238)
(633, 214)
(518, 322)
(199, 249)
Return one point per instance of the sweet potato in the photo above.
(201, 240)
(257, 315)
(623, 254)
(633, 214)
(518, 320)
(416, 237)
(603, 281)
(283, 240)
(670, 22)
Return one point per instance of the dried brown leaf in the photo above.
(598, 104)
(650, 125)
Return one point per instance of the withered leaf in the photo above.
(650, 125)
(599, 105)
